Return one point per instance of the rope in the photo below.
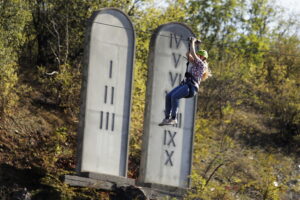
(187, 39)
(147, 32)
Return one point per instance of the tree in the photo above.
(14, 16)
(58, 30)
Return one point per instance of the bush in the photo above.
(8, 96)
(63, 87)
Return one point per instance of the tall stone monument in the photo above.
(106, 94)
(167, 150)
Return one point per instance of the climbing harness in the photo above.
(189, 80)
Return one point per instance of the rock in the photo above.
(129, 193)
(21, 194)
(291, 195)
(292, 183)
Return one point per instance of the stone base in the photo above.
(74, 180)
(124, 186)
(118, 180)
(157, 190)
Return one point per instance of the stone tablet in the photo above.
(106, 94)
(167, 150)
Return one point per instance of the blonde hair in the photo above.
(206, 73)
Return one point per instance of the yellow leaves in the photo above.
(227, 143)
(263, 176)
(13, 19)
(236, 180)
(8, 87)
(228, 109)
(198, 185)
(63, 85)
(65, 191)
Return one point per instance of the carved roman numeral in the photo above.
(105, 94)
(110, 69)
(105, 120)
(179, 120)
(169, 157)
(171, 138)
(176, 58)
(175, 77)
(175, 38)
(112, 95)
(113, 122)
(101, 119)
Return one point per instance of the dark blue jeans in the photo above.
(172, 99)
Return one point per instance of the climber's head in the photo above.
(202, 54)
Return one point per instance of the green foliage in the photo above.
(65, 192)
(250, 102)
(56, 38)
(53, 148)
(60, 28)
(63, 87)
(9, 80)
(146, 21)
(247, 129)
(14, 16)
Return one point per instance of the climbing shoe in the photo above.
(172, 122)
(168, 122)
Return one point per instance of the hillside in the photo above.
(247, 136)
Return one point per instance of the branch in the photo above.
(52, 73)
(210, 164)
(212, 174)
(67, 40)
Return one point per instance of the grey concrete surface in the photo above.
(167, 151)
(106, 94)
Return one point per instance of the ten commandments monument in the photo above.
(106, 94)
(167, 150)
(106, 106)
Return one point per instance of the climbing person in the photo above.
(197, 71)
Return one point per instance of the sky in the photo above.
(292, 6)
